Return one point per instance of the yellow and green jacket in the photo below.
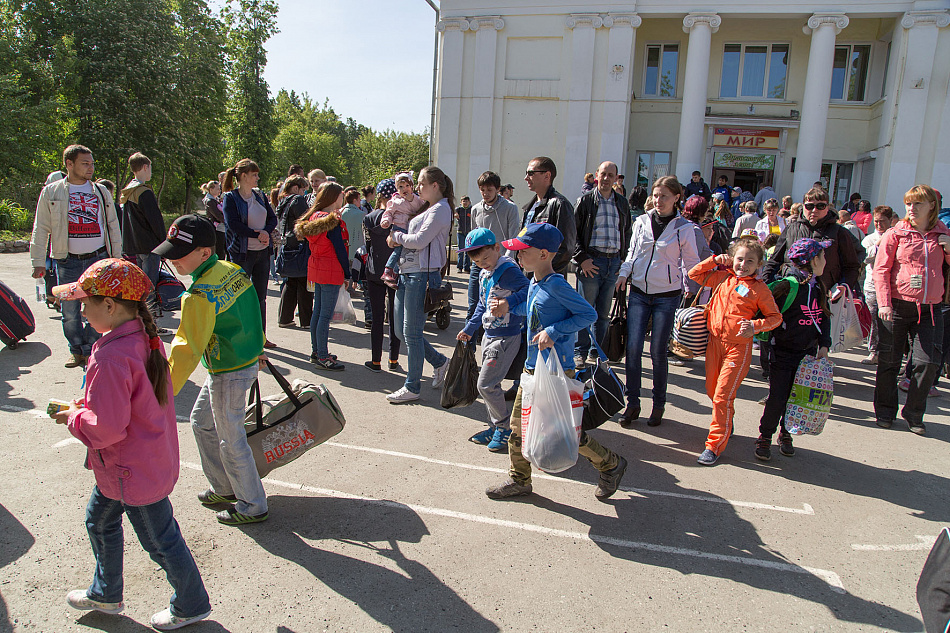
(220, 323)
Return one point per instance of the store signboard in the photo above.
(746, 137)
(729, 160)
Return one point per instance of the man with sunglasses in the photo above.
(550, 206)
(842, 264)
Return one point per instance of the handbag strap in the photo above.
(619, 309)
(254, 398)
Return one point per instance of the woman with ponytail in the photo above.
(126, 419)
(249, 219)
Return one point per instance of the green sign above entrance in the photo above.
(743, 161)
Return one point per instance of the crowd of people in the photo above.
(655, 250)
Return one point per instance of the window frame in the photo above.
(867, 74)
(652, 166)
(768, 67)
(659, 77)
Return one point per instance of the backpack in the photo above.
(789, 300)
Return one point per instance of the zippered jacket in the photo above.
(660, 266)
(735, 299)
(51, 226)
(909, 265)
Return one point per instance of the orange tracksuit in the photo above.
(727, 354)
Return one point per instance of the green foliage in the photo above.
(380, 155)
(15, 218)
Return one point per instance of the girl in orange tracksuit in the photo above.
(737, 297)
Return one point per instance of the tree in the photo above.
(250, 114)
(379, 155)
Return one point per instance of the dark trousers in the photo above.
(257, 266)
(782, 367)
(377, 298)
(945, 344)
(922, 328)
(294, 296)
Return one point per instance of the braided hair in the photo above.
(156, 365)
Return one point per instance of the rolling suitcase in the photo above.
(16, 318)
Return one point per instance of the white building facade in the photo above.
(854, 94)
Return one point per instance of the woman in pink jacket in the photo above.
(127, 422)
(908, 278)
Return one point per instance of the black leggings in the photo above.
(783, 365)
(377, 298)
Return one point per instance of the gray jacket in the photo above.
(503, 219)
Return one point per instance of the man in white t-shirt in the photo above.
(76, 218)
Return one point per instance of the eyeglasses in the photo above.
(821, 206)
(531, 172)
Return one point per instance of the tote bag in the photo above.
(845, 324)
(809, 404)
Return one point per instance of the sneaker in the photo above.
(328, 364)
(374, 367)
(510, 488)
(580, 362)
(367, 325)
(78, 599)
(393, 365)
(233, 517)
(630, 415)
(168, 621)
(438, 375)
(884, 424)
(76, 360)
(402, 395)
(269, 345)
(290, 325)
(314, 357)
(763, 450)
(656, 416)
(499, 440)
(785, 444)
(707, 458)
(610, 481)
(904, 384)
(933, 392)
(870, 360)
(210, 498)
(592, 357)
(764, 399)
(482, 438)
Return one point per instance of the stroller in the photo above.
(438, 304)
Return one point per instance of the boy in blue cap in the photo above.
(555, 312)
(500, 278)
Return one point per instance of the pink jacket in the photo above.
(399, 210)
(132, 440)
(909, 265)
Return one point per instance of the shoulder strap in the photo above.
(792, 291)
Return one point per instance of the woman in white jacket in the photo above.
(772, 223)
(662, 250)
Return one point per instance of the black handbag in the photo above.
(292, 262)
(604, 393)
(615, 341)
(460, 388)
(933, 587)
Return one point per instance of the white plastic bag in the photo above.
(845, 324)
(344, 312)
(550, 425)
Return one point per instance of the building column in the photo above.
(483, 100)
(910, 123)
(689, 149)
(618, 89)
(450, 94)
(823, 28)
(572, 172)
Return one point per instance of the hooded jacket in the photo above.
(142, 225)
(555, 209)
(329, 261)
(659, 266)
(132, 440)
(909, 265)
(842, 264)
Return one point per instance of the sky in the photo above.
(373, 63)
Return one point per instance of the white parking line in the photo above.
(926, 543)
(829, 577)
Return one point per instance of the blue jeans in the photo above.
(79, 336)
(473, 292)
(217, 420)
(464, 261)
(324, 301)
(150, 265)
(598, 290)
(410, 320)
(639, 310)
(393, 261)
(159, 535)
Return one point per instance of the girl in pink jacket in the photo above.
(908, 279)
(127, 422)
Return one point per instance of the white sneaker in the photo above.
(80, 600)
(168, 621)
(870, 360)
(402, 395)
(438, 375)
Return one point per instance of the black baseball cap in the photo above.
(185, 235)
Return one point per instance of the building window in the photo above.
(660, 76)
(652, 165)
(849, 73)
(754, 71)
(887, 65)
(837, 181)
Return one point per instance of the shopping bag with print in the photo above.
(344, 312)
(550, 428)
(809, 404)
(845, 324)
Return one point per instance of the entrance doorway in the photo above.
(747, 179)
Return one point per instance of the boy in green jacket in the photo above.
(221, 327)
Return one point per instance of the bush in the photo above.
(15, 218)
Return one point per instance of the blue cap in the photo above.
(540, 235)
(478, 238)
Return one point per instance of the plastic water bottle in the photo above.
(40, 290)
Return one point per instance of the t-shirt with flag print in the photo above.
(85, 220)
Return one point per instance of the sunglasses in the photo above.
(532, 172)
(821, 206)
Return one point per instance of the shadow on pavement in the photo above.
(414, 600)
(15, 541)
(15, 363)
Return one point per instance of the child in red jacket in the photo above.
(736, 299)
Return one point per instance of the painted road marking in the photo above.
(829, 577)
(926, 543)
